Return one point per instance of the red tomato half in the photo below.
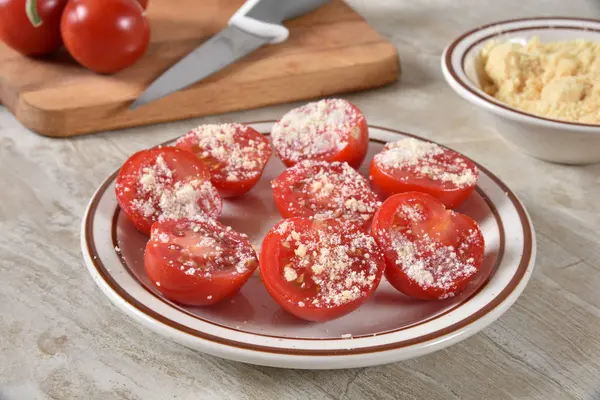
(430, 252)
(235, 155)
(18, 33)
(319, 270)
(326, 130)
(165, 183)
(105, 36)
(324, 190)
(416, 165)
(198, 262)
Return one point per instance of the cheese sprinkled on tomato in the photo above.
(335, 259)
(325, 190)
(426, 160)
(315, 129)
(215, 247)
(217, 144)
(163, 198)
(425, 260)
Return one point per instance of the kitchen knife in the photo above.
(255, 24)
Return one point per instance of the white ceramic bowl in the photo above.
(543, 138)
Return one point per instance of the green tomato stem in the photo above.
(32, 14)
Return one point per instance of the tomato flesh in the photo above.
(319, 270)
(105, 36)
(327, 130)
(17, 32)
(415, 165)
(198, 262)
(324, 190)
(235, 155)
(430, 252)
(165, 183)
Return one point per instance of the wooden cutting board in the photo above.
(332, 50)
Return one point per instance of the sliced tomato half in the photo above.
(320, 270)
(325, 190)
(198, 262)
(235, 155)
(165, 183)
(416, 165)
(326, 130)
(430, 252)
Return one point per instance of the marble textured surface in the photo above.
(60, 338)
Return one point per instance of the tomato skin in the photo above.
(176, 285)
(356, 151)
(357, 137)
(143, 3)
(248, 143)
(126, 187)
(387, 182)
(294, 193)
(105, 36)
(288, 297)
(446, 226)
(229, 190)
(386, 185)
(18, 33)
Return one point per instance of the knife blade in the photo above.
(252, 26)
(224, 48)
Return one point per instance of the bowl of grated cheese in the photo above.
(540, 80)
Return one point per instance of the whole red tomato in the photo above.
(19, 33)
(105, 36)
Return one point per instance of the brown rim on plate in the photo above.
(491, 100)
(182, 309)
(500, 297)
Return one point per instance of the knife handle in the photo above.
(263, 17)
(274, 33)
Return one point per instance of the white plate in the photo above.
(252, 328)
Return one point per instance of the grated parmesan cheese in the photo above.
(326, 190)
(316, 129)
(161, 195)
(289, 274)
(228, 159)
(429, 264)
(211, 248)
(412, 212)
(331, 257)
(426, 160)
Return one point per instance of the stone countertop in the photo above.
(60, 338)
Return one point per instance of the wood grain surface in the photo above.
(60, 338)
(331, 50)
